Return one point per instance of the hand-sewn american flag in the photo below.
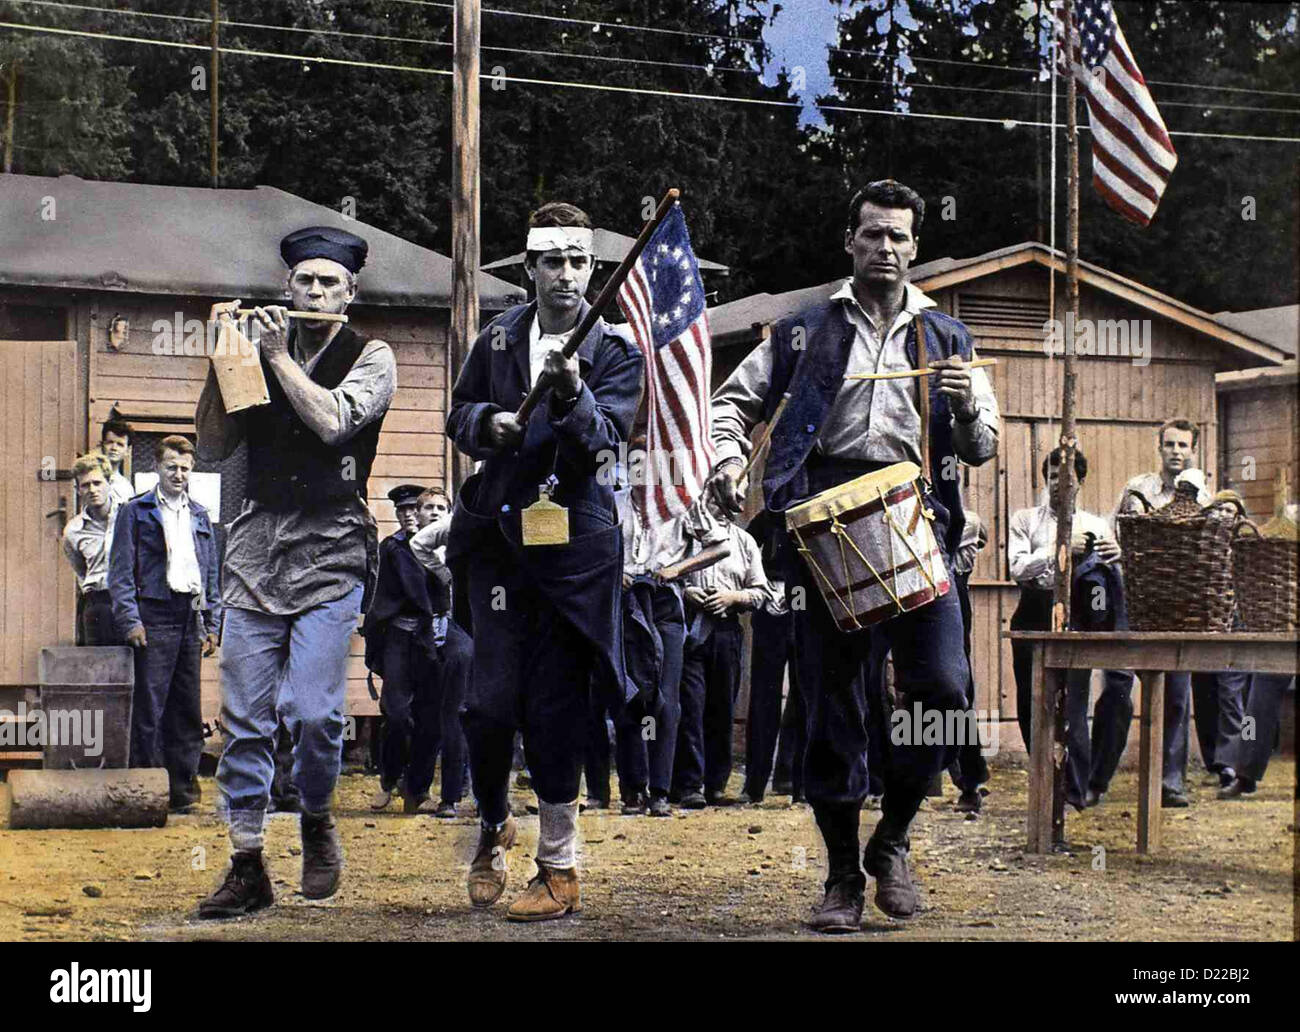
(663, 299)
(1132, 155)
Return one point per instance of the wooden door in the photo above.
(38, 414)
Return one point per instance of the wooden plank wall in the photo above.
(1120, 406)
(412, 445)
(1259, 425)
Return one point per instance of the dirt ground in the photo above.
(1226, 871)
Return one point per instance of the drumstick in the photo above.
(977, 364)
(318, 316)
(699, 561)
(761, 443)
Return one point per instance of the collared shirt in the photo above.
(647, 549)
(87, 542)
(1031, 548)
(741, 571)
(120, 487)
(282, 563)
(891, 431)
(183, 572)
(539, 346)
(1153, 488)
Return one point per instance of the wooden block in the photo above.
(1150, 759)
(239, 370)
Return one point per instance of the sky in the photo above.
(798, 38)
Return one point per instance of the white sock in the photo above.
(557, 842)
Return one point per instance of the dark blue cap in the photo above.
(405, 494)
(338, 245)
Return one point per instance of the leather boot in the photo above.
(885, 859)
(552, 893)
(487, 871)
(247, 888)
(841, 909)
(322, 856)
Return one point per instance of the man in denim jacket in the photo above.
(167, 606)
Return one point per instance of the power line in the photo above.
(419, 40)
(912, 84)
(670, 64)
(1008, 123)
(584, 21)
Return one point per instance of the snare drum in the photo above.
(870, 546)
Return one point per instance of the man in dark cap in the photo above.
(298, 559)
(400, 647)
(546, 607)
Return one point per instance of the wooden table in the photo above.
(1149, 654)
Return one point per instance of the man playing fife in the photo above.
(833, 431)
(545, 615)
(298, 559)
(86, 541)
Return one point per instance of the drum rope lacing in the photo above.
(842, 534)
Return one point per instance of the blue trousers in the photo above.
(290, 668)
(645, 750)
(710, 683)
(1250, 756)
(771, 651)
(930, 668)
(166, 723)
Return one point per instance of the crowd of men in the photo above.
(484, 634)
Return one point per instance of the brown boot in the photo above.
(553, 892)
(487, 871)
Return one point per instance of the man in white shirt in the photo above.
(86, 541)
(1218, 697)
(1032, 556)
(167, 606)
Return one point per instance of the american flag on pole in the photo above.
(1132, 155)
(663, 299)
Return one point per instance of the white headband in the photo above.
(559, 238)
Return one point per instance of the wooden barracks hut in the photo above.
(76, 259)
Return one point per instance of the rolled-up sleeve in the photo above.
(977, 441)
(737, 407)
(427, 542)
(366, 392)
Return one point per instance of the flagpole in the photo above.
(1068, 489)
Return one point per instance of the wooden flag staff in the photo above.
(603, 299)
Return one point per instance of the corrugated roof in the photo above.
(609, 247)
(1277, 326)
(193, 240)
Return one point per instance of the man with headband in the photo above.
(546, 607)
(298, 560)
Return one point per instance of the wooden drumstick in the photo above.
(293, 314)
(979, 363)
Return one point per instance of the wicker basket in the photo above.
(1178, 564)
(1264, 580)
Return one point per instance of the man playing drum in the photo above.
(834, 431)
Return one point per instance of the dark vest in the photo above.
(810, 352)
(289, 466)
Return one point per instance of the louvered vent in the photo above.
(991, 310)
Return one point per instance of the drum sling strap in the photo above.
(845, 540)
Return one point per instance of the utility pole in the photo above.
(464, 201)
(11, 95)
(213, 72)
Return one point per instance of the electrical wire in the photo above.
(1007, 123)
